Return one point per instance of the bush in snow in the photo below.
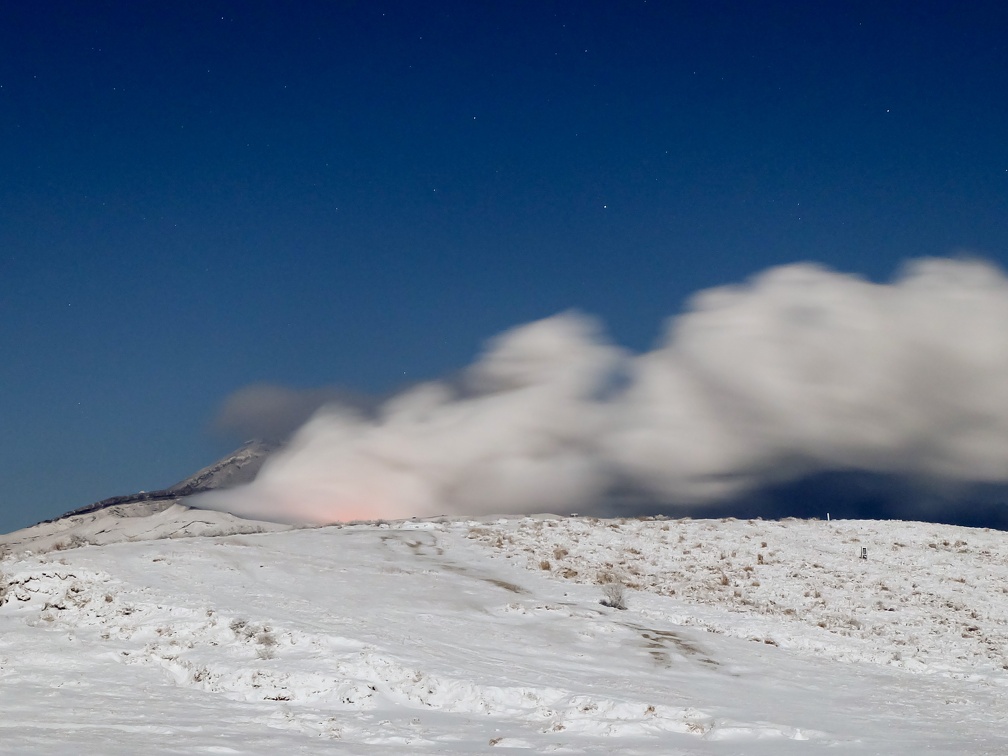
(266, 644)
(75, 541)
(262, 635)
(614, 595)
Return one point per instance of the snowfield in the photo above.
(464, 636)
(926, 599)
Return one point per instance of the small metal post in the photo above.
(864, 552)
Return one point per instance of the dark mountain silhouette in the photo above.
(240, 466)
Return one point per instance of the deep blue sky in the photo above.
(205, 195)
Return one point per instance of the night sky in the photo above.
(202, 196)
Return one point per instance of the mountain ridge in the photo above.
(151, 515)
(236, 468)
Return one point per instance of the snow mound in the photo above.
(139, 521)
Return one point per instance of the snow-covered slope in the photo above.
(469, 637)
(927, 598)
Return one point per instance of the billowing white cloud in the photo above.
(797, 371)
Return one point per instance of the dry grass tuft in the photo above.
(614, 596)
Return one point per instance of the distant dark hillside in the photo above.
(855, 495)
(235, 469)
